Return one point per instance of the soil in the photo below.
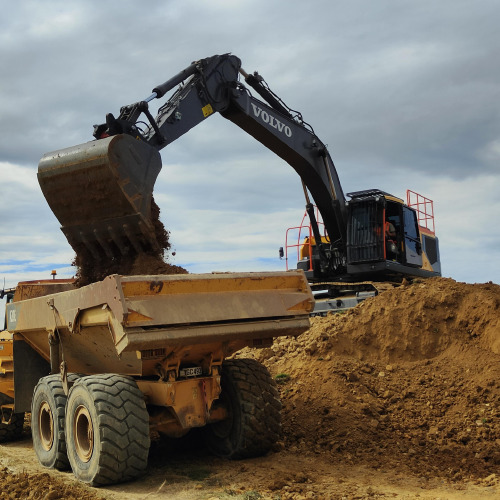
(24, 485)
(409, 380)
(396, 398)
(150, 260)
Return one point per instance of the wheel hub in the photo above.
(84, 433)
(46, 426)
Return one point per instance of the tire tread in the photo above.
(123, 424)
(259, 410)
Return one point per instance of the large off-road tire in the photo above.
(13, 430)
(252, 401)
(107, 429)
(47, 421)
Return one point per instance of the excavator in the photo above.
(101, 191)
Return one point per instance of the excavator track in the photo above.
(334, 296)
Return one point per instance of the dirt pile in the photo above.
(42, 486)
(150, 261)
(397, 398)
(409, 379)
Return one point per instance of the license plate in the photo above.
(192, 371)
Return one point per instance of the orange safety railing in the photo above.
(302, 236)
(424, 208)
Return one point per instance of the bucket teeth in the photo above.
(117, 241)
(149, 236)
(103, 243)
(91, 248)
(132, 237)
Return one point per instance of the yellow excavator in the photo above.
(101, 191)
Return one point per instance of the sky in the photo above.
(405, 94)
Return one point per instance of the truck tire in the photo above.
(47, 421)
(12, 430)
(254, 412)
(107, 429)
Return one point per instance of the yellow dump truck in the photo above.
(100, 367)
(11, 424)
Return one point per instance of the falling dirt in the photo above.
(396, 398)
(149, 261)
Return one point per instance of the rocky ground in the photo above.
(396, 398)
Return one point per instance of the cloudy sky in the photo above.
(405, 94)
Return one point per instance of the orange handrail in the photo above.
(307, 241)
(424, 208)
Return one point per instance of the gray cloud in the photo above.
(404, 93)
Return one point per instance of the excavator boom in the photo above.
(101, 191)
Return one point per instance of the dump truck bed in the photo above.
(123, 323)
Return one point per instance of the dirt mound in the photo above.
(149, 261)
(418, 321)
(408, 379)
(31, 486)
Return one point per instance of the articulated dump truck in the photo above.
(103, 366)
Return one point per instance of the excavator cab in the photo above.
(376, 230)
(385, 236)
(386, 240)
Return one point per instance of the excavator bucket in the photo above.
(101, 194)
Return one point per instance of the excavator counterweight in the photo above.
(101, 194)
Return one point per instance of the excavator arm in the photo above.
(118, 170)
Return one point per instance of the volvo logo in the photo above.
(271, 120)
